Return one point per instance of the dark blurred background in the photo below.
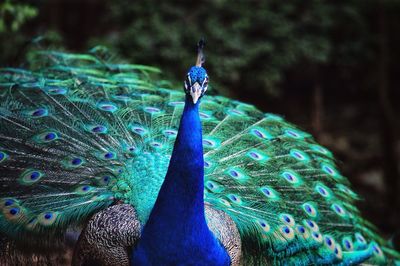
(329, 66)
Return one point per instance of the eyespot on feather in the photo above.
(37, 113)
(46, 137)
(8, 202)
(323, 190)
(3, 156)
(293, 133)
(107, 107)
(211, 143)
(330, 170)
(317, 237)
(31, 176)
(311, 225)
(291, 177)
(84, 189)
(55, 90)
(235, 199)
(309, 209)
(270, 193)
(170, 133)
(338, 209)
(139, 130)
(261, 133)
(31, 224)
(48, 218)
(299, 155)
(152, 110)
(72, 162)
(287, 232)
(329, 242)
(105, 180)
(302, 231)
(108, 155)
(377, 250)
(225, 202)
(97, 129)
(257, 155)
(338, 251)
(14, 212)
(214, 186)
(347, 243)
(287, 219)
(263, 225)
(360, 238)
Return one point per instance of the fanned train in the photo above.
(79, 134)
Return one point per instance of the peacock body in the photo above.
(79, 134)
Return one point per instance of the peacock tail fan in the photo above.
(79, 133)
(69, 137)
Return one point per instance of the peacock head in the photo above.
(196, 82)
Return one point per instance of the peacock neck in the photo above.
(181, 197)
(184, 181)
(176, 232)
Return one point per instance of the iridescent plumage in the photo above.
(78, 134)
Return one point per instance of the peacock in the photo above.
(156, 176)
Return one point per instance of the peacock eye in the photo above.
(205, 83)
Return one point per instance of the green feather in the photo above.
(77, 133)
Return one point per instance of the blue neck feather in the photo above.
(184, 185)
(176, 232)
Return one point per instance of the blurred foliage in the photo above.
(13, 15)
(251, 43)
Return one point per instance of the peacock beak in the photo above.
(195, 92)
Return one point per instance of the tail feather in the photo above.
(61, 132)
(78, 133)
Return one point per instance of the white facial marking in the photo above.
(195, 92)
